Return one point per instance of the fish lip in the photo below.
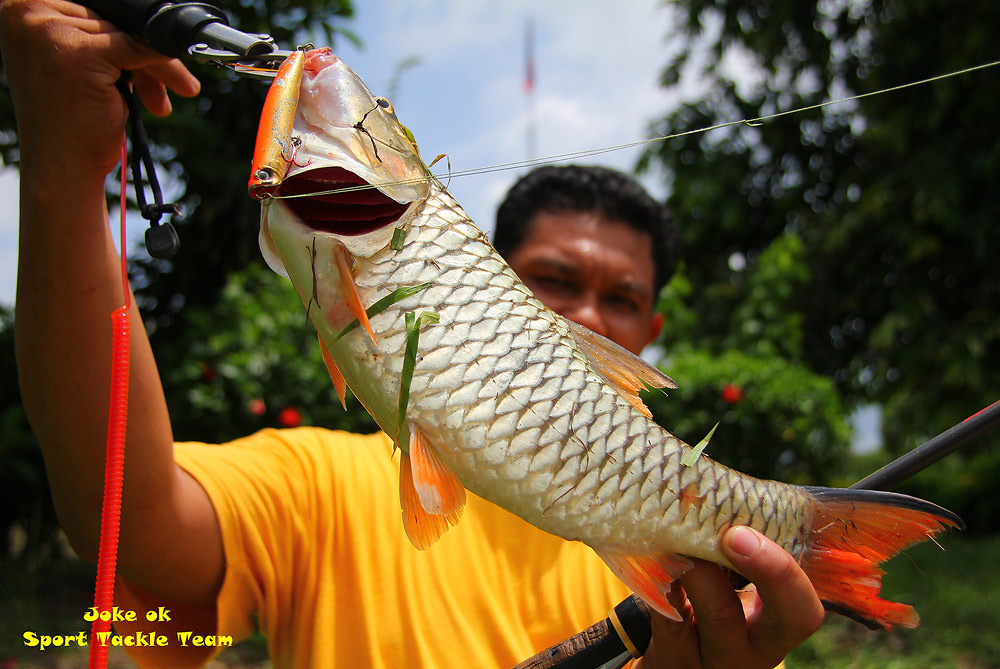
(352, 213)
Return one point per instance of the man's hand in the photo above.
(62, 62)
(754, 627)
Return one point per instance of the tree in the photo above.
(263, 369)
(890, 195)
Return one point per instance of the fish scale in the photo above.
(507, 398)
(502, 381)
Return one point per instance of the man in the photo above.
(299, 529)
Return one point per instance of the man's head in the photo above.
(593, 246)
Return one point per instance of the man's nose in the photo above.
(587, 312)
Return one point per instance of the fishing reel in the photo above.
(193, 30)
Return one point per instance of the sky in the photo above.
(462, 92)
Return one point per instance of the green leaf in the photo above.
(413, 325)
(692, 456)
(395, 296)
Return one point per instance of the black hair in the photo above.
(589, 189)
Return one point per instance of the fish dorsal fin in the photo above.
(649, 576)
(431, 496)
(339, 384)
(625, 371)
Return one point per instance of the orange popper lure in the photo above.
(274, 149)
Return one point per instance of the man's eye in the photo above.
(623, 303)
(552, 283)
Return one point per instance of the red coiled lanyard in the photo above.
(162, 242)
(104, 591)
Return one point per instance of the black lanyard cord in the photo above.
(161, 238)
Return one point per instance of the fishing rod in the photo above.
(195, 30)
(625, 633)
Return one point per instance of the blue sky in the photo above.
(595, 85)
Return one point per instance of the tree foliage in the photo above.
(777, 418)
(261, 368)
(889, 195)
(22, 472)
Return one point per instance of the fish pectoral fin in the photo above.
(431, 496)
(349, 289)
(625, 371)
(651, 577)
(339, 384)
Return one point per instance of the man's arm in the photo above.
(62, 62)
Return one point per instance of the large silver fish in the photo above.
(486, 389)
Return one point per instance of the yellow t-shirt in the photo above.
(317, 559)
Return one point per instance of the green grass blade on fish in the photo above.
(392, 298)
(692, 456)
(413, 325)
(398, 237)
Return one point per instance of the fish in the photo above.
(485, 389)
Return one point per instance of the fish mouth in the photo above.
(351, 213)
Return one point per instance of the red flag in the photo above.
(529, 56)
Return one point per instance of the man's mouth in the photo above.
(355, 212)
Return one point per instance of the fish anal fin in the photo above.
(651, 577)
(339, 384)
(438, 489)
(625, 371)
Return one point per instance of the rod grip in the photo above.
(600, 643)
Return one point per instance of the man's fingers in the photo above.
(131, 53)
(791, 610)
(672, 644)
(175, 76)
(722, 627)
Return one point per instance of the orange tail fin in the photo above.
(855, 530)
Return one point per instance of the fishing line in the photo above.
(587, 153)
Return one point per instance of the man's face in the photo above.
(593, 270)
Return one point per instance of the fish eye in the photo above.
(385, 104)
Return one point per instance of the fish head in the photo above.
(352, 171)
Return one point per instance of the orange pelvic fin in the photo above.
(625, 371)
(422, 528)
(273, 150)
(438, 489)
(349, 289)
(650, 576)
(339, 384)
(853, 531)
